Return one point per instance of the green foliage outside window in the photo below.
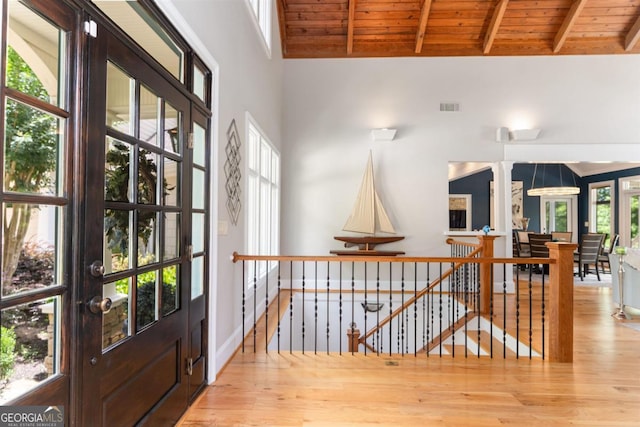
(603, 212)
(30, 156)
(635, 221)
(7, 351)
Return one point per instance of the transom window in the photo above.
(138, 23)
(262, 12)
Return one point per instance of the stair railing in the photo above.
(304, 277)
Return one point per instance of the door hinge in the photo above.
(91, 28)
(190, 140)
(190, 252)
(189, 366)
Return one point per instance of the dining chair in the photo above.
(539, 249)
(561, 236)
(520, 250)
(588, 253)
(604, 255)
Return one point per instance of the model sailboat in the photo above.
(368, 216)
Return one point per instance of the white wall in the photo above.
(320, 112)
(330, 106)
(248, 80)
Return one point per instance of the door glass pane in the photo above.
(198, 83)
(32, 247)
(547, 217)
(197, 230)
(33, 148)
(561, 216)
(115, 323)
(199, 146)
(42, 45)
(634, 203)
(170, 289)
(147, 238)
(120, 91)
(149, 113)
(198, 189)
(118, 185)
(147, 177)
(172, 127)
(197, 276)
(603, 212)
(171, 182)
(117, 235)
(171, 235)
(31, 346)
(146, 297)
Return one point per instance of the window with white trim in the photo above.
(601, 211)
(262, 11)
(263, 198)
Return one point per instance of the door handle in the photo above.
(96, 269)
(99, 305)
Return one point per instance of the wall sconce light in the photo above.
(504, 135)
(383, 134)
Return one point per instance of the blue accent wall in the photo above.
(546, 175)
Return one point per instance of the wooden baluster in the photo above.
(486, 287)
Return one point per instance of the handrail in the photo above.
(417, 296)
(395, 259)
(457, 265)
(452, 241)
(560, 289)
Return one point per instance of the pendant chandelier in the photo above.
(562, 190)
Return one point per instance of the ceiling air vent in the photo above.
(449, 106)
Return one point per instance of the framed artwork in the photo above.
(459, 212)
(517, 204)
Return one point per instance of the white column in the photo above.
(502, 196)
(502, 216)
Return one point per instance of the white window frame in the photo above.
(592, 205)
(262, 169)
(572, 202)
(626, 192)
(261, 12)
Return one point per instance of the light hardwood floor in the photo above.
(601, 387)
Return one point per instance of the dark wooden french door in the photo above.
(135, 337)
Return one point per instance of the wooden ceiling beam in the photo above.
(632, 36)
(283, 25)
(422, 27)
(569, 20)
(496, 20)
(352, 15)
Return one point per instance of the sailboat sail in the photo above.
(368, 214)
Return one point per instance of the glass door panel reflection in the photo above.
(120, 97)
(117, 238)
(116, 323)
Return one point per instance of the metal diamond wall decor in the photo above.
(232, 172)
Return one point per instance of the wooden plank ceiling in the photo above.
(383, 28)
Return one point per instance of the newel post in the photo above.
(486, 287)
(561, 302)
(354, 339)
